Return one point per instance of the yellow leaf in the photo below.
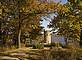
(80, 3)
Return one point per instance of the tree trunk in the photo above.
(19, 39)
(81, 39)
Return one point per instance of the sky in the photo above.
(45, 22)
(62, 1)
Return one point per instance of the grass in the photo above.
(47, 54)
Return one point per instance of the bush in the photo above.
(69, 46)
(56, 44)
(62, 45)
(38, 46)
(53, 44)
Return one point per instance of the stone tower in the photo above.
(48, 37)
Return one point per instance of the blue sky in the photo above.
(45, 23)
(62, 1)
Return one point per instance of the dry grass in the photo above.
(48, 54)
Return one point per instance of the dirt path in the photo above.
(22, 54)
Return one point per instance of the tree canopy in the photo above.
(69, 20)
(19, 17)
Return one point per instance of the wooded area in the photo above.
(20, 19)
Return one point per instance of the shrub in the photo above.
(62, 45)
(53, 44)
(69, 46)
(38, 46)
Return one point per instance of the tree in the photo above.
(69, 20)
(32, 10)
(18, 16)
